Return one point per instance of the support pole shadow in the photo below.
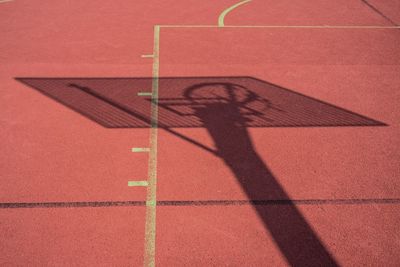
(227, 126)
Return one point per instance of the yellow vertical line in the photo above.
(151, 199)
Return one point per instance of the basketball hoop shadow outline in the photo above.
(226, 107)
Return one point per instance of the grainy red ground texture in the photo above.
(307, 188)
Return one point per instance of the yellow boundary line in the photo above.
(151, 198)
(286, 26)
(221, 17)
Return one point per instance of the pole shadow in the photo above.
(224, 120)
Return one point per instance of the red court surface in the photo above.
(273, 138)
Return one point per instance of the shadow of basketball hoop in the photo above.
(226, 107)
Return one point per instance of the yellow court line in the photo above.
(221, 17)
(4, 1)
(286, 26)
(138, 183)
(144, 93)
(151, 198)
(140, 149)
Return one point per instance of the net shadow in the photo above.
(114, 102)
